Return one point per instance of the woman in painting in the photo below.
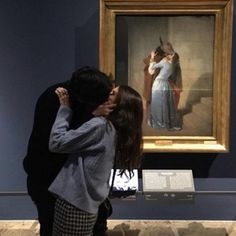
(149, 79)
(175, 78)
(163, 107)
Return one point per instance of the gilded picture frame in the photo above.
(200, 34)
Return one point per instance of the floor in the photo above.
(136, 228)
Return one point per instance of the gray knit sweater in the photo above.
(84, 179)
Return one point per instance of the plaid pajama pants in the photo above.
(71, 221)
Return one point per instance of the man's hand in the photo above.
(105, 109)
(63, 96)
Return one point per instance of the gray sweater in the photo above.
(84, 179)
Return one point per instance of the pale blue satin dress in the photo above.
(163, 112)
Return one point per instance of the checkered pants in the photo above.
(71, 221)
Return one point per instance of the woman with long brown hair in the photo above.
(94, 147)
(127, 120)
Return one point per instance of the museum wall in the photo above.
(43, 42)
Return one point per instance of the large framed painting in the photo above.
(177, 55)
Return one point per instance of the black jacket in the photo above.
(41, 165)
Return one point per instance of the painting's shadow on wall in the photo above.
(201, 89)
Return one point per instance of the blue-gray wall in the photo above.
(42, 42)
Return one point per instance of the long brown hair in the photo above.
(127, 119)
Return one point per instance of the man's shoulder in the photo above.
(49, 93)
(52, 88)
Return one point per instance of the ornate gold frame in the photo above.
(223, 13)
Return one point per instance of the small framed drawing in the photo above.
(177, 55)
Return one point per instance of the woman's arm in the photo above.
(63, 140)
(153, 65)
(84, 138)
